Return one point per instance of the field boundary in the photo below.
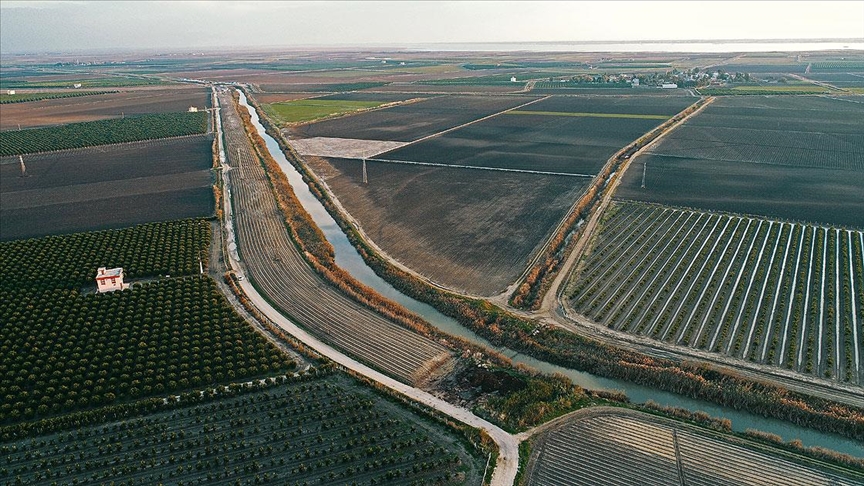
(452, 129)
(589, 115)
(14, 158)
(539, 434)
(544, 305)
(475, 167)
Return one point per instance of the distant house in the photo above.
(669, 86)
(513, 79)
(76, 85)
(193, 109)
(635, 82)
(11, 92)
(110, 279)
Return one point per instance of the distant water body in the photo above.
(718, 46)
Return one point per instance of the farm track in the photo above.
(278, 269)
(735, 296)
(621, 447)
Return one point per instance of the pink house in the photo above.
(109, 280)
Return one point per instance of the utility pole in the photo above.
(365, 179)
(644, 170)
(23, 167)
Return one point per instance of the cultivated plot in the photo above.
(633, 104)
(106, 187)
(783, 294)
(559, 135)
(309, 430)
(110, 105)
(305, 110)
(468, 229)
(276, 266)
(795, 158)
(409, 122)
(617, 449)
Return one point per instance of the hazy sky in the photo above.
(73, 25)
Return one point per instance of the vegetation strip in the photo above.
(102, 132)
(318, 428)
(589, 115)
(529, 294)
(312, 109)
(567, 349)
(283, 268)
(25, 97)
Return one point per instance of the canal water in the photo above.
(350, 260)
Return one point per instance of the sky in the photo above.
(68, 26)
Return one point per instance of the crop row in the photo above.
(70, 261)
(796, 149)
(281, 272)
(23, 97)
(62, 351)
(785, 294)
(311, 432)
(102, 132)
(620, 450)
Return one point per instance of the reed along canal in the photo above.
(350, 260)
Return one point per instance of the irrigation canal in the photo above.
(351, 261)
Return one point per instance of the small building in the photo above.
(76, 85)
(513, 79)
(635, 82)
(11, 92)
(193, 109)
(669, 86)
(110, 279)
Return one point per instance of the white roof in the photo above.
(110, 272)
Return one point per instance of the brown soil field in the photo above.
(97, 214)
(107, 163)
(112, 105)
(798, 158)
(802, 194)
(615, 447)
(274, 263)
(471, 230)
(408, 122)
(106, 187)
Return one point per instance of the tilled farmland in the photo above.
(106, 187)
(111, 105)
(406, 123)
(468, 229)
(279, 270)
(619, 448)
(794, 158)
(547, 143)
(784, 294)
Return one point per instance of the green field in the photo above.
(306, 430)
(22, 97)
(70, 261)
(105, 82)
(589, 115)
(102, 132)
(65, 348)
(313, 109)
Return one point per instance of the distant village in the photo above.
(695, 78)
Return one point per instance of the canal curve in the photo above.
(349, 259)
